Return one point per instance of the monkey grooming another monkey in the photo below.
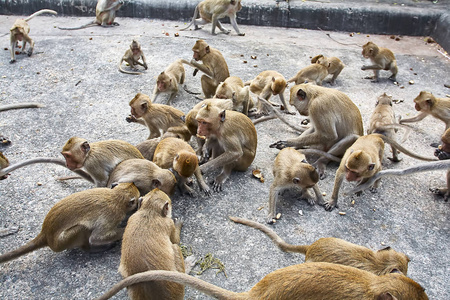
(338, 251)
(382, 59)
(312, 281)
(88, 220)
(333, 64)
(313, 72)
(231, 138)
(19, 32)
(168, 80)
(213, 10)
(132, 57)
(291, 170)
(233, 88)
(105, 12)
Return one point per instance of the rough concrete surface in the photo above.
(74, 74)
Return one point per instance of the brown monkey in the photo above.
(146, 175)
(312, 281)
(88, 220)
(213, 65)
(231, 138)
(213, 10)
(132, 57)
(382, 59)
(19, 32)
(105, 12)
(338, 251)
(3, 164)
(168, 80)
(151, 241)
(313, 72)
(291, 170)
(233, 88)
(99, 158)
(148, 147)
(333, 64)
(179, 155)
(427, 104)
(157, 117)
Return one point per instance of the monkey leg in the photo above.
(223, 29)
(105, 236)
(394, 157)
(73, 237)
(273, 199)
(209, 86)
(332, 203)
(12, 49)
(222, 177)
(199, 21)
(26, 39)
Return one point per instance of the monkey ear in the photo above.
(85, 147)
(144, 106)
(156, 184)
(222, 116)
(207, 49)
(301, 94)
(177, 157)
(385, 296)
(371, 167)
(139, 204)
(296, 180)
(165, 209)
(395, 270)
(114, 184)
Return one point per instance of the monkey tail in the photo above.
(321, 153)
(404, 150)
(38, 242)
(21, 105)
(193, 19)
(172, 276)
(39, 12)
(127, 72)
(93, 23)
(272, 235)
(279, 116)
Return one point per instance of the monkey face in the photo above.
(196, 55)
(162, 86)
(72, 161)
(204, 128)
(352, 175)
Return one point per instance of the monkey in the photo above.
(179, 155)
(213, 65)
(151, 241)
(382, 59)
(157, 117)
(291, 170)
(333, 64)
(233, 88)
(443, 153)
(3, 164)
(313, 72)
(105, 12)
(232, 139)
(427, 104)
(213, 10)
(148, 147)
(19, 32)
(98, 159)
(146, 175)
(132, 57)
(312, 281)
(88, 220)
(168, 80)
(339, 251)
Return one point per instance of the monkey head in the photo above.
(384, 99)
(393, 261)
(156, 201)
(358, 166)
(370, 50)
(209, 119)
(306, 176)
(185, 163)
(139, 105)
(278, 85)
(135, 47)
(425, 101)
(299, 98)
(315, 59)
(128, 190)
(75, 152)
(3, 164)
(224, 91)
(163, 82)
(200, 49)
(17, 32)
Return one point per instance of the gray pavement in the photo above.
(75, 75)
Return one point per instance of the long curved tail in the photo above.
(127, 72)
(34, 244)
(404, 150)
(40, 12)
(20, 106)
(93, 23)
(193, 19)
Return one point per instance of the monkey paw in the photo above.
(30, 52)
(271, 220)
(4, 141)
(12, 61)
(207, 191)
(279, 145)
(330, 205)
(130, 119)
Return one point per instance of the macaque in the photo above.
(98, 159)
(19, 32)
(442, 153)
(333, 64)
(148, 147)
(88, 220)
(291, 170)
(146, 175)
(213, 65)
(157, 117)
(233, 88)
(313, 72)
(312, 281)
(179, 155)
(105, 12)
(132, 57)
(334, 120)
(213, 10)
(231, 137)
(382, 59)
(427, 104)
(168, 80)
(338, 251)
(151, 241)
(3, 164)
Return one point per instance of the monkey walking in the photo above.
(132, 57)
(382, 59)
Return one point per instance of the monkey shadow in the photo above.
(97, 254)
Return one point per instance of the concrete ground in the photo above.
(74, 74)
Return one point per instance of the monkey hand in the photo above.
(441, 155)
(130, 119)
(12, 61)
(279, 145)
(330, 205)
(145, 66)
(271, 220)
(241, 34)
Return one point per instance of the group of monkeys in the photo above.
(142, 177)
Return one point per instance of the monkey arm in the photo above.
(372, 67)
(417, 118)
(201, 182)
(202, 68)
(230, 155)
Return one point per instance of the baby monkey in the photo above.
(132, 57)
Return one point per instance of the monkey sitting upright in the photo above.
(132, 57)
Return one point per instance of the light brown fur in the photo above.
(333, 64)
(168, 81)
(3, 164)
(233, 88)
(132, 57)
(313, 72)
(382, 59)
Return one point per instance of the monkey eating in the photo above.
(382, 59)
(168, 81)
(333, 64)
(88, 220)
(132, 57)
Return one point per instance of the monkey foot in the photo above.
(330, 205)
(4, 141)
(279, 145)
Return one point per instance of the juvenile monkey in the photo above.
(151, 241)
(213, 65)
(232, 139)
(168, 80)
(382, 59)
(313, 72)
(157, 117)
(213, 10)
(333, 64)
(105, 12)
(19, 32)
(427, 104)
(179, 155)
(98, 159)
(233, 88)
(88, 220)
(312, 281)
(338, 251)
(291, 170)
(132, 57)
